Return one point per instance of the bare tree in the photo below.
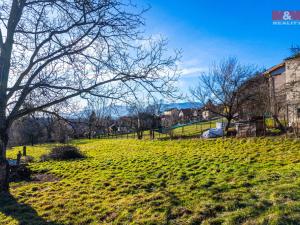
(28, 130)
(103, 109)
(145, 116)
(139, 117)
(255, 96)
(294, 50)
(92, 124)
(221, 87)
(52, 51)
(40, 127)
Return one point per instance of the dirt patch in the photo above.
(37, 178)
(43, 177)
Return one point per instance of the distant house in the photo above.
(174, 116)
(169, 117)
(165, 121)
(284, 87)
(206, 114)
(196, 113)
(171, 112)
(123, 129)
(208, 111)
(186, 114)
(113, 129)
(126, 121)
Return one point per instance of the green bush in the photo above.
(64, 152)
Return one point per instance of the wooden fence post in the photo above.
(24, 151)
(19, 158)
(263, 125)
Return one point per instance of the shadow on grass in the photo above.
(23, 213)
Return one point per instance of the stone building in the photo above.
(284, 87)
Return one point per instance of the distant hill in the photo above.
(183, 105)
(121, 110)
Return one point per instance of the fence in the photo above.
(179, 131)
(272, 127)
(194, 130)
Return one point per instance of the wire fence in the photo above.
(196, 129)
(189, 130)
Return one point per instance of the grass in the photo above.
(191, 130)
(230, 181)
(195, 129)
(270, 123)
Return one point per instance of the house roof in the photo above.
(171, 109)
(276, 67)
(187, 112)
(280, 65)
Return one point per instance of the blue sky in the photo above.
(208, 31)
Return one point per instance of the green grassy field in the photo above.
(254, 181)
(195, 129)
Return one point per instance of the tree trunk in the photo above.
(4, 167)
(280, 126)
(4, 173)
(32, 140)
(152, 135)
(227, 125)
(139, 134)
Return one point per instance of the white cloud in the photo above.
(193, 70)
(192, 67)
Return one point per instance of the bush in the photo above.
(19, 173)
(64, 152)
(28, 159)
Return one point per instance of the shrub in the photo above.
(64, 152)
(19, 173)
(28, 159)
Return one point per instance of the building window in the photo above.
(298, 112)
